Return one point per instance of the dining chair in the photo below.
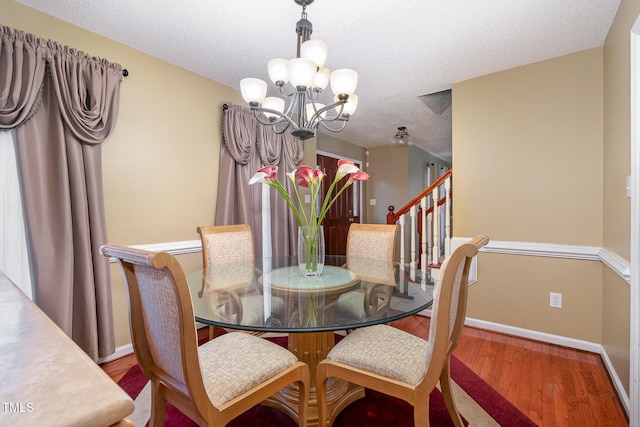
(225, 246)
(212, 383)
(403, 365)
(370, 255)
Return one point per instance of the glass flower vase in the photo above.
(311, 250)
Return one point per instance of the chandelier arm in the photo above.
(316, 119)
(281, 117)
(287, 94)
(324, 125)
(277, 132)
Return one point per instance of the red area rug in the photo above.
(374, 410)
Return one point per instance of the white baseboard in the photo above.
(123, 350)
(556, 340)
(617, 384)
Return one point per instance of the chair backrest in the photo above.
(450, 299)
(372, 241)
(161, 315)
(217, 239)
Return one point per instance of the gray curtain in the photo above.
(247, 146)
(59, 161)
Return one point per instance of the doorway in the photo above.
(345, 210)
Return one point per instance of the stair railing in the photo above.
(435, 241)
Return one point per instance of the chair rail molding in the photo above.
(174, 248)
(552, 250)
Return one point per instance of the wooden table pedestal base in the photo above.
(311, 348)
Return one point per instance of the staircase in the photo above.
(425, 229)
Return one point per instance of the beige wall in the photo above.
(527, 152)
(388, 182)
(161, 163)
(514, 290)
(527, 155)
(617, 151)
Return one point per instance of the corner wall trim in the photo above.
(616, 263)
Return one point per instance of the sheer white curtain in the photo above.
(14, 257)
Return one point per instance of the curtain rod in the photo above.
(125, 72)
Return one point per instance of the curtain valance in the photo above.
(247, 145)
(85, 86)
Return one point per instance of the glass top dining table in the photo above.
(271, 295)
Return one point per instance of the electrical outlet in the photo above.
(555, 300)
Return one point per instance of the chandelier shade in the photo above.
(302, 80)
(315, 50)
(273, 103)
(278, 70)
(253, 90)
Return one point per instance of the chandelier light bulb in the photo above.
(315, 50)
(302, 72)
(273, 103)
(343, 81)
(253, 90)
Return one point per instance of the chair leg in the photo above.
(321, 393)
(421, 413)
(158, 406)
(213, 332)
(303, 390)
(447, 394)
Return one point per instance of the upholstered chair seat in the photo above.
(231, 359)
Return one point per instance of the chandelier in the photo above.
(307, 77)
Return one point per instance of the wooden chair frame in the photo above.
(446, 338)
(189, 396)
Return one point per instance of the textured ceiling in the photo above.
(402, 50)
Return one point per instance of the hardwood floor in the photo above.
(552, 385)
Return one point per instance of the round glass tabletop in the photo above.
(271, 295)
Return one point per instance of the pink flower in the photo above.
(271, 171)
(345, 167)
(358, 176)
(303, 183)
(265, 175)
(307, 177)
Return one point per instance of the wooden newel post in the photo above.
(391, 216)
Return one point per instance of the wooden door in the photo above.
(343, 212)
